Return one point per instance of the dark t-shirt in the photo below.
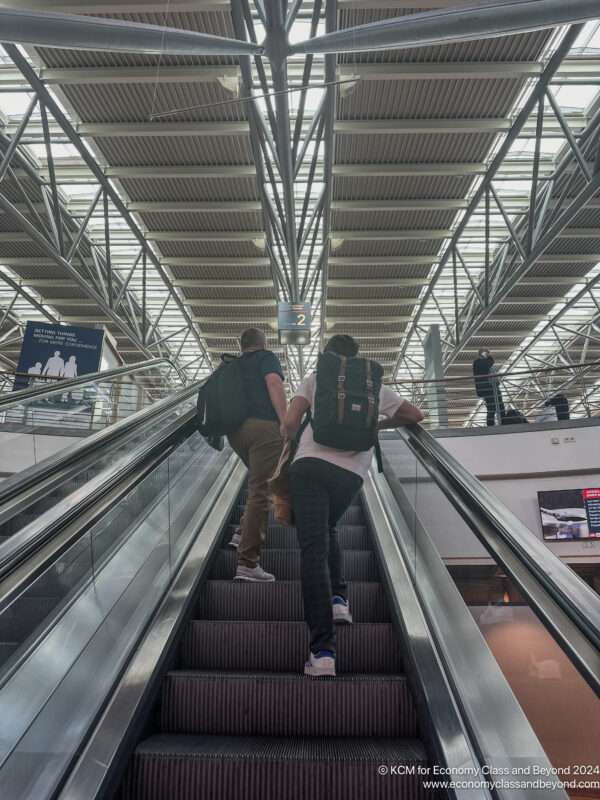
(256, 365)
(483, 366)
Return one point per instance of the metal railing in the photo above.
(547, 394)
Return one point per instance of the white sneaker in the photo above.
(256, 574)
(341, 611)
(320, 666)
(235, 540)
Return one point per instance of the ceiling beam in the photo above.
(439, 27)
(424, 70)
(224, 284)
(465, 70)
(357, 127)
(78, 173)
(87, 76)
(124, 130)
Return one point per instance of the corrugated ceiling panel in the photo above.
(191, 189)
(136, 102)
(209, 248)
(367, 219)
(177, 151)
(224, 272)
(194, 294)
(371, 292)
(392, 247)
(209, 221)
(452, 99)
(379, 271)
(400, 188)
(411, 148)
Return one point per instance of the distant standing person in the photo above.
(258, 443)
(487, 385)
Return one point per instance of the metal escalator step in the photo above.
(167, 767)
(17, 522)
(7, 649)
(32, 607)
(351, 537)
(359, 565)
(283, 646)
(282, 600)
(46, 503)
(268, 704)
(17, 629)
(4, 539)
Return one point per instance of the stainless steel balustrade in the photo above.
(23, 395)
(566, 605)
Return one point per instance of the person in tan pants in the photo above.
(258, 442)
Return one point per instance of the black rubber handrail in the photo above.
(17, 398)
(53, 465)
(22, 545)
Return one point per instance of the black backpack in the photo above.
(347, 402)
(513, 417)
(222, 400)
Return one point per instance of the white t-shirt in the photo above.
(357, 461)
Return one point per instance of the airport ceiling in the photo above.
(418, 171)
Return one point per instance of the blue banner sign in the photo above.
(58, 351)
(294, 322)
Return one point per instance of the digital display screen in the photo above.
(570, 513)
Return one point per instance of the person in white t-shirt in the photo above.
(324, 482)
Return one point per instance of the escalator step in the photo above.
(283, 646)
(38, 607)
(7, 649)
(353, 516)
(359, 565)
(267, 704)
(46, 503)
(281, 600)
(260, 768)
(350, 537)
(17, 522)
(17, 629)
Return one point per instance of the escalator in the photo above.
(132, 666)
(238, 712)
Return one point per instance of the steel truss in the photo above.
(68, 243)
(297, 230)
(296, 223)
(530, 231)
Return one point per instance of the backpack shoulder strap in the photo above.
(298, 436)
(378, 455)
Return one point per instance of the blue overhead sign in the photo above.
(294, 321)
(58, 351)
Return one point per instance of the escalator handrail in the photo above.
(23, 480)
(23, 544)
(19, 397)
(573, 595)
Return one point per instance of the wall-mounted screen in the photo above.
(570, 513)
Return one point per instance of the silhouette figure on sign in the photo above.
(55, 365)
(70, 368)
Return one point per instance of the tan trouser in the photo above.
(258, 443)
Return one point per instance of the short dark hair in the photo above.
(342, 345)
(253, 337)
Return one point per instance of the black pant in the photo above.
(492, 398)
(321, 492)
